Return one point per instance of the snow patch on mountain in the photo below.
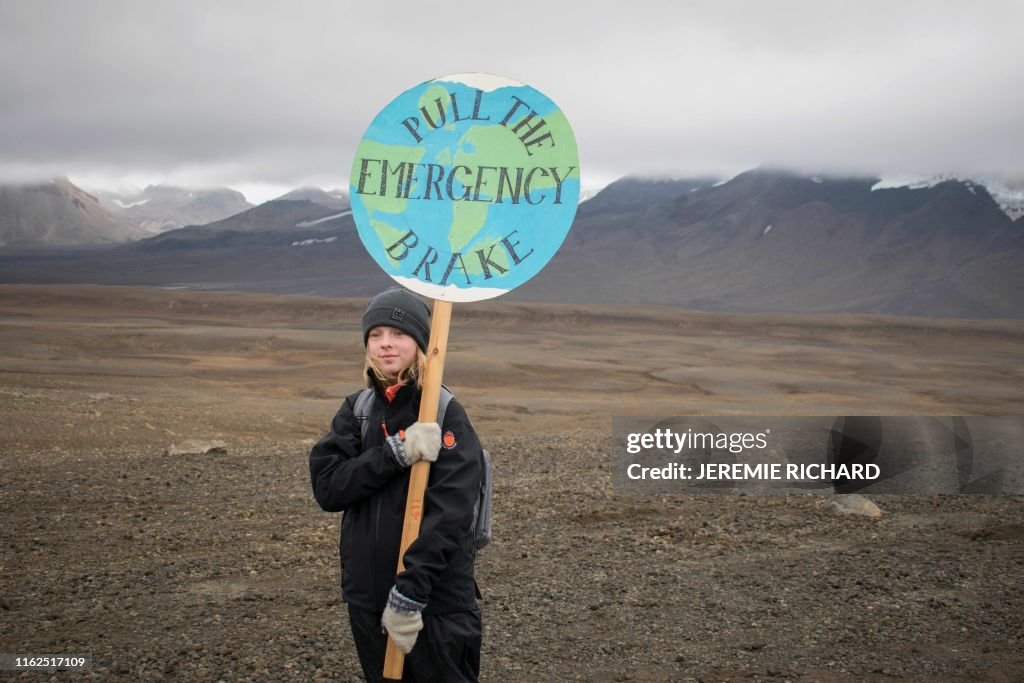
(128, 205)
(908, 182)
(1009, 195)
(306, 243)
(306, 224)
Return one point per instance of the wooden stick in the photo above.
(394, 660)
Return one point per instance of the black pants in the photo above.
(446, 650)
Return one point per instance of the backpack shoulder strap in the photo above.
(442, 404)
(361, 409)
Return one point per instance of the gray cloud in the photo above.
(275, 94)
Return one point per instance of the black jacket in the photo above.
(364, 481)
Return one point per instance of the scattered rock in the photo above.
(851, 504)
(197, 448)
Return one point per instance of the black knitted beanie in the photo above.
(400, 308)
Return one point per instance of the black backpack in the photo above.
(482, 507)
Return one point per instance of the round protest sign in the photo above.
(464, 187)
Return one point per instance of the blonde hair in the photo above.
(414, 370)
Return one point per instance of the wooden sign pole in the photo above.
(394, 660)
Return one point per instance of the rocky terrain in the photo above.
(220, 566)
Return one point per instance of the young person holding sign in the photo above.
(462, 189)
(363, 470)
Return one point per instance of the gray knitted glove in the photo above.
(402, 620)
(422, 440)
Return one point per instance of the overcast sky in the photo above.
(267, 96)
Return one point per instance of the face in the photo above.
(392, 348)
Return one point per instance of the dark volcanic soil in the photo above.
(222, 567)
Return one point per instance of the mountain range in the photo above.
(771, 240)
(764, 241)
(159, 208)
(58, 213)
(332, 199)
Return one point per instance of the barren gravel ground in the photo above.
(221, 566)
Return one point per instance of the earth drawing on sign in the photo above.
(465, 186)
